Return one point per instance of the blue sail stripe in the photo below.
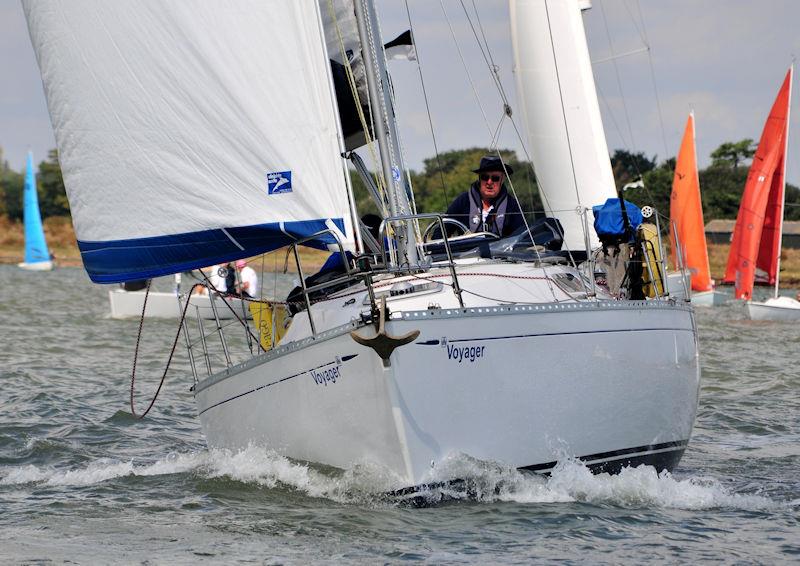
(115, 261)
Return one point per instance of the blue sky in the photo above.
(723, 58)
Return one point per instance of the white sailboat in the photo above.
(228, 112)
(128, 301)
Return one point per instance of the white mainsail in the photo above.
(558, 99)
(177, 148)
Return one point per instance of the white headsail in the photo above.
(558, 98)
(190, 132)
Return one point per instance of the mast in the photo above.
(783, 175)
(385, 124)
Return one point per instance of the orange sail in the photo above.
(686, 213)
(756, 237)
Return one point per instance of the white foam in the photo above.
(571, 480)
(251, 465)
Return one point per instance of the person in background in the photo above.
(487, 206)
(248, 280)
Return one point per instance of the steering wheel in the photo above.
(434, 225)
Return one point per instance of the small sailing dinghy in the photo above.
(219, 132)
(687, 233)
(755, 254)
(37, 256)
(128, 301)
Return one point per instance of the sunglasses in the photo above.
(494, 178)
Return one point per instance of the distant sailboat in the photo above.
(686, 219)
(756, 247)
(37, 256)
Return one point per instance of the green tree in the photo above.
(3, 171)
(52, 194)
(628, 166)
(721, 187)
(442, 179)
(731, 154)
(11, 184)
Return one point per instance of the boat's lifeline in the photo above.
(480, 380)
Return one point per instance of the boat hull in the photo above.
(37, 266)
(709, 298)
(783, 310)
(679, 283)
(525, 386)
(128, 304)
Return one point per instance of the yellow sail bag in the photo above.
(272, 321)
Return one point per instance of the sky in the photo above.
(725, 59)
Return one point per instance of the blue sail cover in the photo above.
(191, 133)
(35, 245)
(608, 218)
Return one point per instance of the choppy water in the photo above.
(82, 481)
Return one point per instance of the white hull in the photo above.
(38, 266)
(679, 283)
(709, 298)
(128, 304)
(782, 309)
(610, 382)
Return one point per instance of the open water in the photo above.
(84, 482)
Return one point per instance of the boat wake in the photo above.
(570, 481)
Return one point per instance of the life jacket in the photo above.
(496, 217)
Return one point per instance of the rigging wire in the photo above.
(464, 64)
(351, 80)
(629, 146)
(493, 69)
(507, 111)
(427, 105)
(653, 78)
(616, 73)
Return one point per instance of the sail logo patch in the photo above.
(279, 182)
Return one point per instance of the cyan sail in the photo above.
(191, 133)
(35, 245)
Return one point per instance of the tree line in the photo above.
(444, 176)
(50, 185)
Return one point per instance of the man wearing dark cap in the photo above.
(487, 206)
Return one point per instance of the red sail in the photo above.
(769, 251)
(686, 213)
(756, 237)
